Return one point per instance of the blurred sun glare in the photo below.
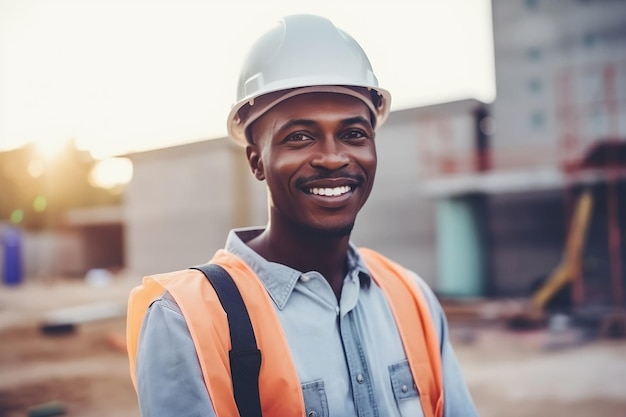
(49, 148)
(111, 173)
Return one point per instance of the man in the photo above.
(342, 331)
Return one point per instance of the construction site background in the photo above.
(513, 211)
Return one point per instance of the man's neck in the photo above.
(326, 255)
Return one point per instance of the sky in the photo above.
(122, 76)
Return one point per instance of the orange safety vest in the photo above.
(279, 386)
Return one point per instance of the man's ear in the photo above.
(254, 160)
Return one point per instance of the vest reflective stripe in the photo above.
(415, 324)
(279, 385)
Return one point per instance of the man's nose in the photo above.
(330, 154)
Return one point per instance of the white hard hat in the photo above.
(303, 54)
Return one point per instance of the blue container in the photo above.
(12, 271)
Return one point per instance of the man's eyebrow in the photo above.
(299, 122)
(356, 120)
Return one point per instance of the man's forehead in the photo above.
(312, 105)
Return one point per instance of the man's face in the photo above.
(317, 154)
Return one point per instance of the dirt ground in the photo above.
(85, 372)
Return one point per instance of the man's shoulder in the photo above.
(371, 254)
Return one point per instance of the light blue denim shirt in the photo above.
(348, 354)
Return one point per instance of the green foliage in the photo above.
(44, 189)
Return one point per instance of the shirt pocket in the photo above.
(405, 390)
(315, 402)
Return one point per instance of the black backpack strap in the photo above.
(245, 356)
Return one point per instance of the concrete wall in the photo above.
(397, 220)
(183, 200)
(47, 255)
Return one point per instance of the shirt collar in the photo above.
(279, 280)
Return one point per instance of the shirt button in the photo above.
(312, 414)
(360, 379)
(405, 388)
(306, 278)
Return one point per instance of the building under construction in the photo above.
(557, 132)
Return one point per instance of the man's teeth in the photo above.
(330, 191)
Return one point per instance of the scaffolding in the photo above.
(593, 142)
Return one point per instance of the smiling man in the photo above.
(316, 153)
(342, 331)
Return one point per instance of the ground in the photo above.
(85, 372)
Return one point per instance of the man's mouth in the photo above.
(327, 191)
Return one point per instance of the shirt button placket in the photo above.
(362, 391)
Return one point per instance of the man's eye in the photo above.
(298, 137)
(354, 134)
